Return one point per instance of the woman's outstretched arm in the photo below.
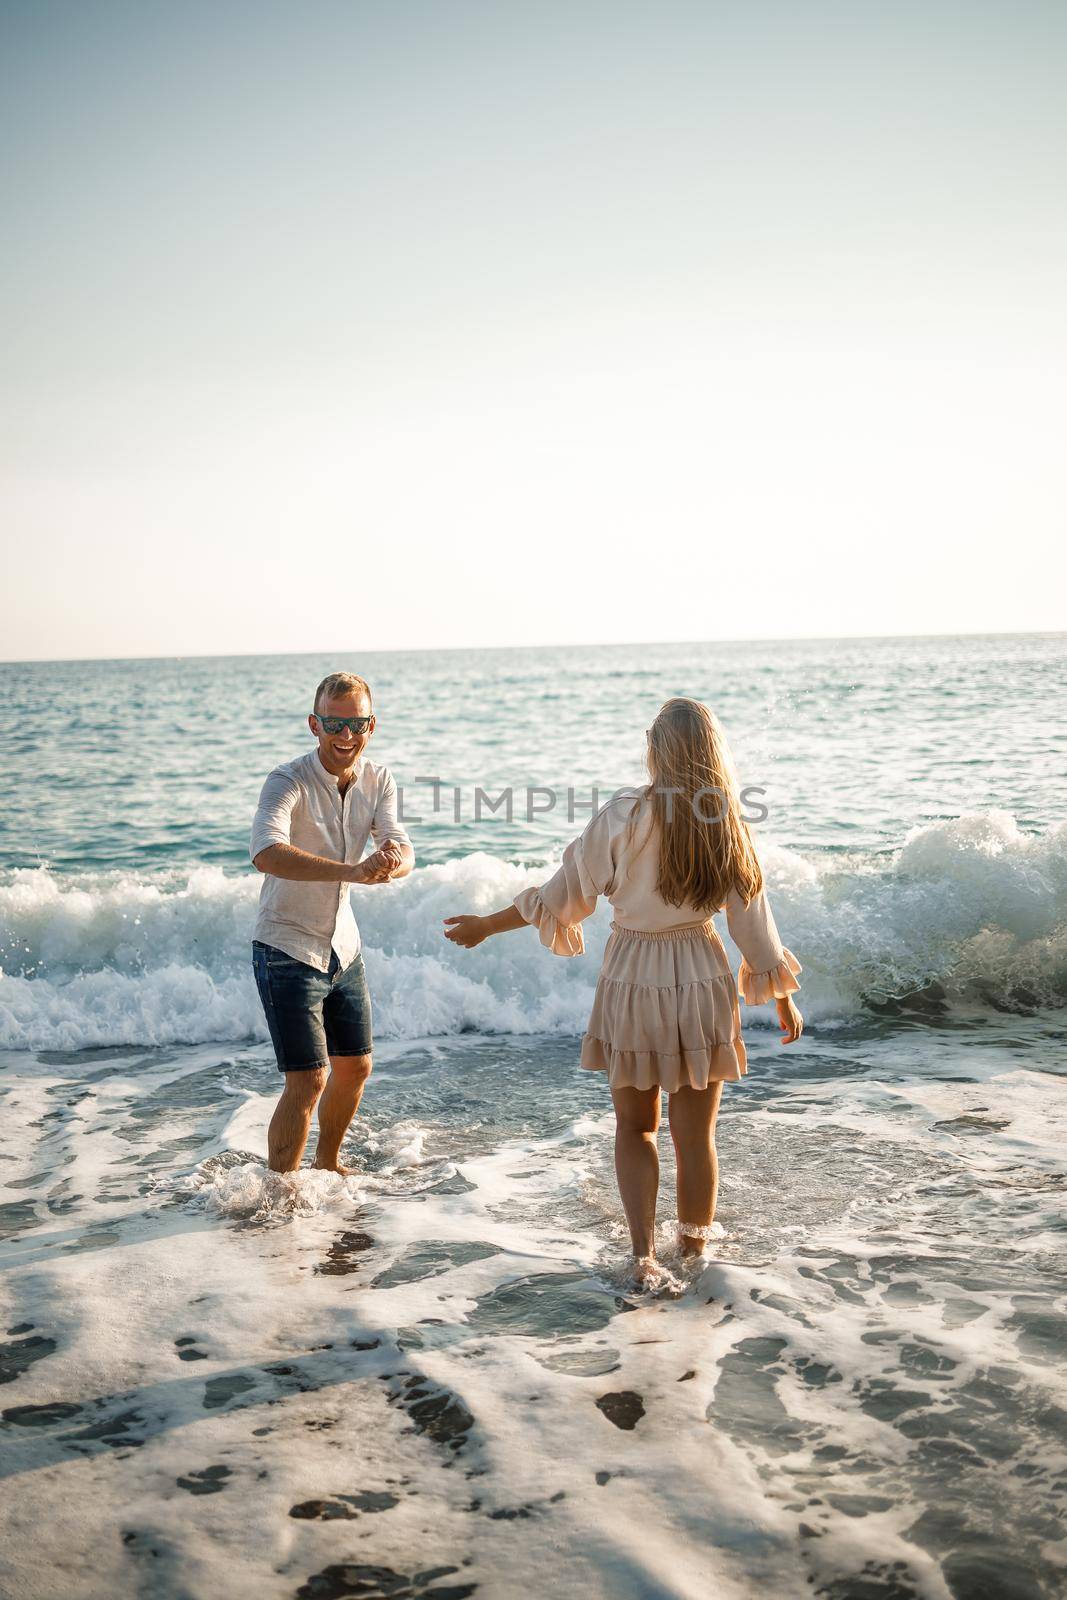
(469, 931)
(556, 908)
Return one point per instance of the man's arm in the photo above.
(286, 861)
(389, 833)
(272, 853)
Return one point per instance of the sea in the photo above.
(430, 1379)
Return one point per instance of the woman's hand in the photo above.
(790, 1019)
(467, 931)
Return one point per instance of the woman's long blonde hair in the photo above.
(705, 848)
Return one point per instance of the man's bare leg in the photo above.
(339, 1104)
(289, 1126)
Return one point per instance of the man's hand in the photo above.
(790, 1019)
(379, 867)
(393, 853)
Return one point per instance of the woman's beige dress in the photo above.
(666, 1005)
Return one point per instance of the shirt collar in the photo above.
(330, 778)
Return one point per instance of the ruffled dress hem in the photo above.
(647, 1069)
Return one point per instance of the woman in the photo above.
(665, 1014)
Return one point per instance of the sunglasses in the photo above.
(335, 724)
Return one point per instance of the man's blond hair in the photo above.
(336, 684)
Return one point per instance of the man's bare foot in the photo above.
(342, 1172)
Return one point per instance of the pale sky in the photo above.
(336, 324)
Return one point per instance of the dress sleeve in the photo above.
(768, 969)
(557, 908)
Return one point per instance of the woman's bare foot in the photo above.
(693, 1238)
(644, 1268)
(649, 1276)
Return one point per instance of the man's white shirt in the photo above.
(301, 804)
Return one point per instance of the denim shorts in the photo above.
(312, 1015)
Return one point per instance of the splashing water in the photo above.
(237, 1184)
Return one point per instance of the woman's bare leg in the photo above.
(692, 1114)
(637, 1162)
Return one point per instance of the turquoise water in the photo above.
(913, 837)
(144, 765)
(429, 1378)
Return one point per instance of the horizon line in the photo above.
(611, 644)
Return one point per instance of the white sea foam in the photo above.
(972, 905)
(883, 1279)
(232, 1187)
(403, 1146)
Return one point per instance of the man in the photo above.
(310, 830)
